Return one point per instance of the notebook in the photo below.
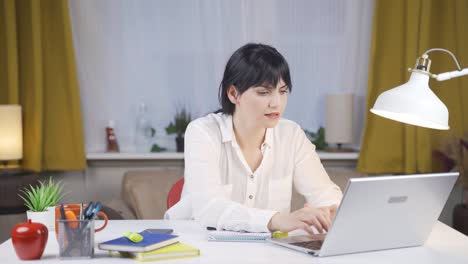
(150, 242)
(177, 250)
(237, 236)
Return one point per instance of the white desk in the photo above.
(444, 245)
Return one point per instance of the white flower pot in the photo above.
(40, 217)
(51, 210)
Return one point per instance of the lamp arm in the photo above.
(444, 50)
(449, 75)
(446, 75)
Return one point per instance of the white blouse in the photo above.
(221, 190)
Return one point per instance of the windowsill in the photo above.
(180, 156)
(136, 156)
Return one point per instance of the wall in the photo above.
(169, 54)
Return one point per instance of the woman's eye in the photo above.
(284, 92)
(263, 93)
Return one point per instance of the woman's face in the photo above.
(262, 106)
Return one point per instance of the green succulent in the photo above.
(45, 194)
(157, 148)
(181, 120)
(317, 138)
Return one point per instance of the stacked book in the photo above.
(152, 247)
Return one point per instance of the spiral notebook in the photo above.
(232, 236)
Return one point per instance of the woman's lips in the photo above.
(272, 115)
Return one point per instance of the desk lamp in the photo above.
(11, 135)
(413, 102)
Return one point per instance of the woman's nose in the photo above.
(275, 100)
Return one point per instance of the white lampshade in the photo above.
(413, 103)
(11, 133)
(339, 118)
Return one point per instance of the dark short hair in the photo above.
(249, 66)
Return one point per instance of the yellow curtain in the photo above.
(38, 71)
(402, 31)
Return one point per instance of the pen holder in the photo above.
(75, 208)
(76, 238)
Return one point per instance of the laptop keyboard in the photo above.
(316, 244)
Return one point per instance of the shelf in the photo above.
(180, 156)
(136, 156)
(338, 155)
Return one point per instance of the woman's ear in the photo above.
(232, 94)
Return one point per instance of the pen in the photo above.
(88, 212)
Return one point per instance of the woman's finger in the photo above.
(333, 209)
(307, 228)
(324, 222)
(329, 218)
(326, 214)
(317, 224)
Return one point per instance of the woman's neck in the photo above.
(247, 136)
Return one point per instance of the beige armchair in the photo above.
(145, 192)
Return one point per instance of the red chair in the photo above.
(174, 193)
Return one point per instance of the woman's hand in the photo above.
(328, 210)
(303, 218)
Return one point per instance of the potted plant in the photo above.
(181, 120)
(460, 212)
(454, 158)
(155, 147)
(41, 200)
(317, 138)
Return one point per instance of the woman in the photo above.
(240, 163)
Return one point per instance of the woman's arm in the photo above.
(310, 178)
(211, 205)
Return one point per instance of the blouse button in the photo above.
(250, 197)
(251, 176)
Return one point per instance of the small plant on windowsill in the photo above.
(154, 146)
(178, 126)
(317, 138)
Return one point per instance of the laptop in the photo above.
(377, 213)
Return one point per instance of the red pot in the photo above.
(29, 240)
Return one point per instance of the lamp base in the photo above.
(338, 148)
(10, 170)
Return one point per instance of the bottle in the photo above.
(143, 131)
(112, 145)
